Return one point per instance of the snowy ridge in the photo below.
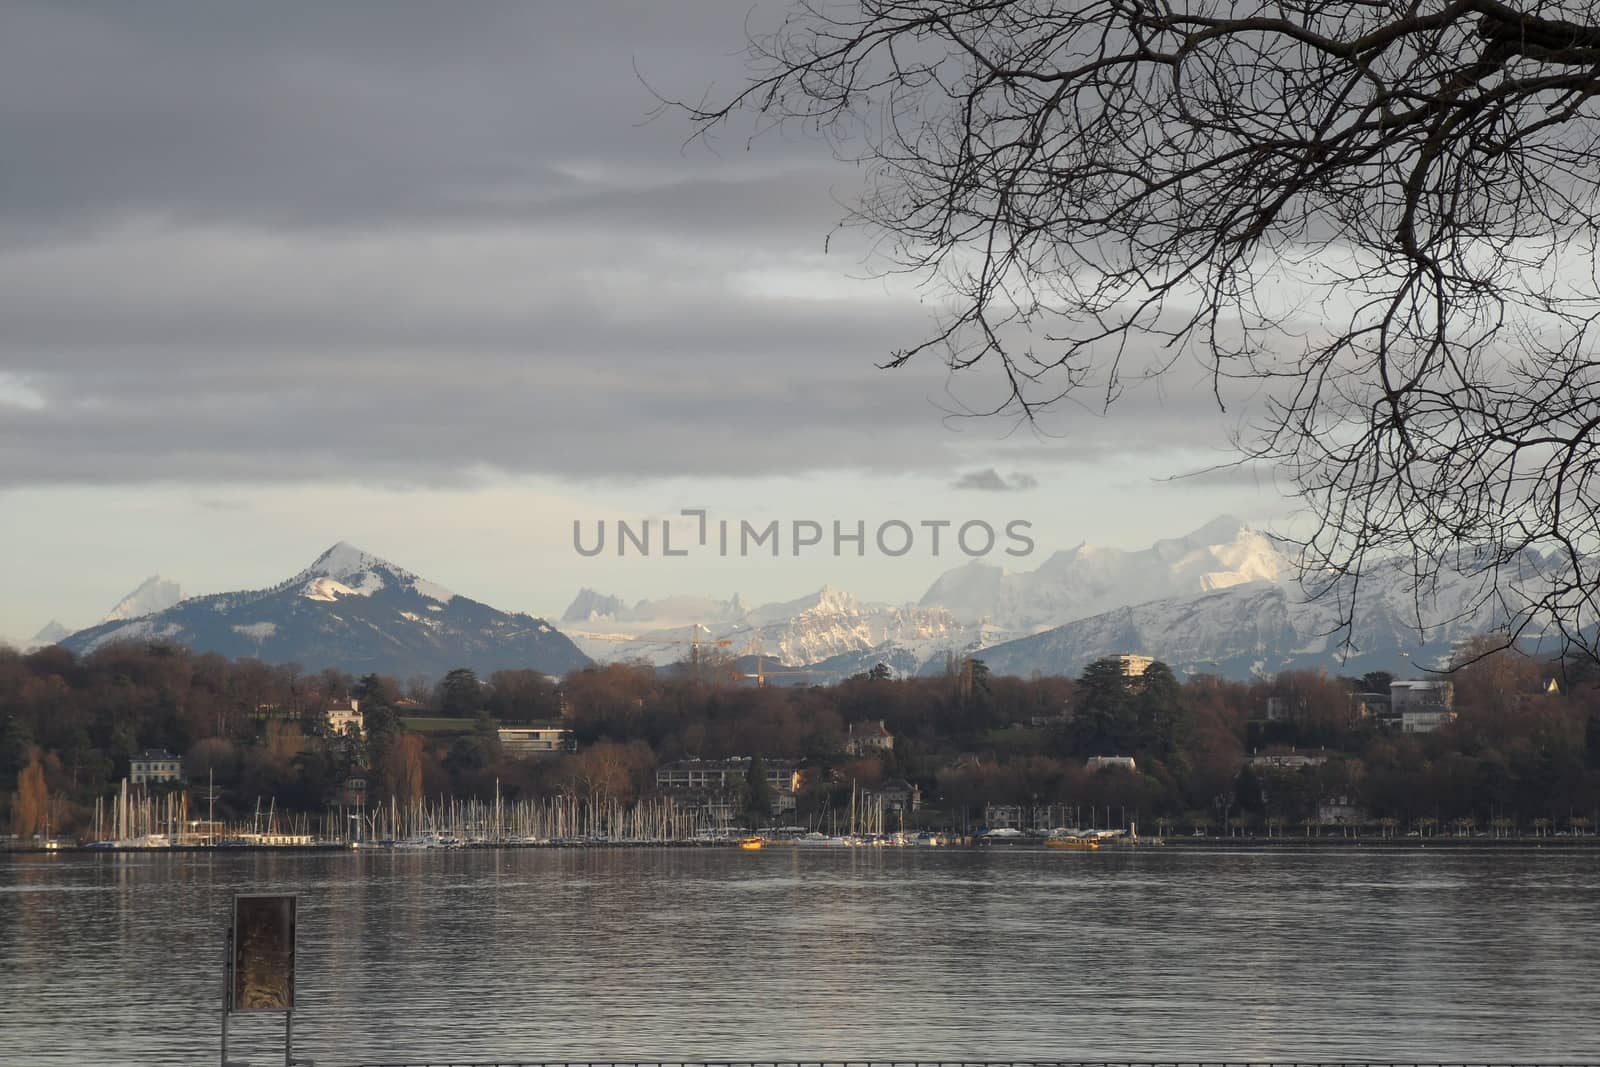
(1261, 627)
(1222, 599)
(1086, 580)
(821, 625)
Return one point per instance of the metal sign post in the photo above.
(258, 974)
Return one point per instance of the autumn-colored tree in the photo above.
(32, 804)
(405, 771)
(606, 770)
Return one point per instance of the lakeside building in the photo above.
(866, 738)
(1038, 817)
(1100, 763)
(1339, 810)
(897, 795)
(690, 775)
(154, 765)
(1005, 817)
(343, 714)
(200, 832)
(540, 739)
(353, 790)
(708, 784)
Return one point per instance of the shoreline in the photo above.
(1580, 844)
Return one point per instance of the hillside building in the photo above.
(343, 714)
(154, 765)
(540, 739)
(1421, 705)
(868, 738)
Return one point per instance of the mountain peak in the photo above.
(832, 598)
(590, 605)
(344, 560)
(345, 570)
(154, 594)
(51, 633)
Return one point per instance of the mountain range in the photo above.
(1221, 599)
(351, 610)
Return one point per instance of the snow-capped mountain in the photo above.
(1087, 580)
(824, 625)
(1259, 628)
(1223, 599)
(154, 594)
(357, 612)
(832, 623)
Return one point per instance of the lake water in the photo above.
(1347, 954)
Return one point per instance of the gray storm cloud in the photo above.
(299, 241)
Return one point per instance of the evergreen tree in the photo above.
(1158, 710)
(1247, 788)
(1102, 713)
(460, 694)
(1376, 681)
(757, 794)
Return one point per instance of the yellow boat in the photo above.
(1071, 842)
(751, 843)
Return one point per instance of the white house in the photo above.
(1412, 691)
(154, 765)
(344, 713)
(1421, 705)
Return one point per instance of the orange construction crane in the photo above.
(762, 674)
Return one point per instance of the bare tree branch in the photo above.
(1381, 212)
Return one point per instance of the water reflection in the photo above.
(1337, 955)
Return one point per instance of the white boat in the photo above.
(146, 841)
(820, 840)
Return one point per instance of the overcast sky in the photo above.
(423, 277)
